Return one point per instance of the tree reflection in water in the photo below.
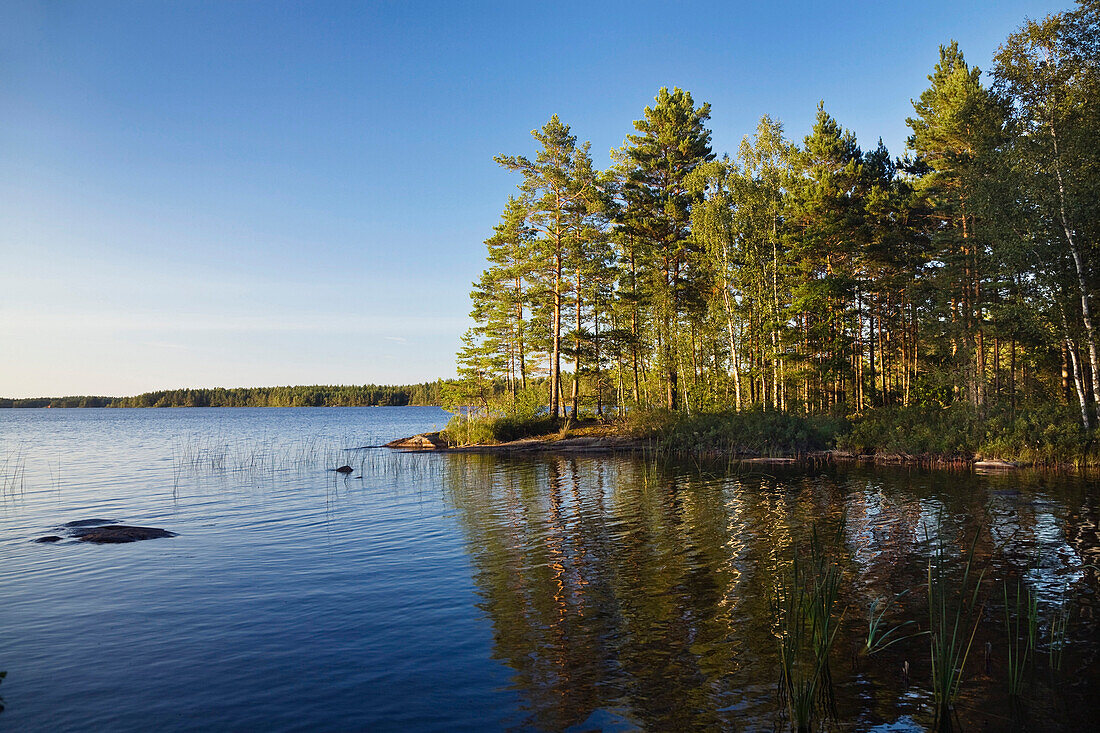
(627, 592)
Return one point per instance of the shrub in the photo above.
(751, 431)
(930, 430)
(1040, 434)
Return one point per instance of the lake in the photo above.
(475, 592)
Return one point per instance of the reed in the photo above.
(1021, 627)
(13, 472)
(953, 617)
(1059, 624)
(808, 625)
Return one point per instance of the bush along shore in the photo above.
(957, 434)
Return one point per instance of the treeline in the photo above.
(367, 395)
(815, 276)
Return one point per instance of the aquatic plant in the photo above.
(879, 638)
(13, 472)
(1059, 624)
(808, 625)
(953, 617)
(1021, 627)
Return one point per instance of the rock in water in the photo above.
(49, 538)
(424, 441)
(89, 522)
(115, 534)
(344, 469)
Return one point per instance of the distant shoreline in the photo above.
(181, 407)
(423, 394)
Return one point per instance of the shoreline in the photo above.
(609, 444)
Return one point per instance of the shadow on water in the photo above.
(626, 592)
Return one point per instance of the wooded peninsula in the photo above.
(941, 302)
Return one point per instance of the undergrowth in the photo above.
(747, 432)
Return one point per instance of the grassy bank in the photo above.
(1044, 435)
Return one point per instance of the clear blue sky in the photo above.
(258, 193)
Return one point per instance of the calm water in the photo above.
(450, 592)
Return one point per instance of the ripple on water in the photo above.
(471, 591)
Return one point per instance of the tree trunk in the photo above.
(576, 397)
(1079, 265)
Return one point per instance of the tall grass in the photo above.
(808, 625)
(1059, 624)
(13, 472)
(953, 617)
(1022, 629)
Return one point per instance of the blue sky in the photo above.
(236, 193)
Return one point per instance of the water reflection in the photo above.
(622, 591)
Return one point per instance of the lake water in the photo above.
(463, 592)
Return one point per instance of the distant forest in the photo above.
(815, 275)
(366, 395)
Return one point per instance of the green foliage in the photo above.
(1040, 434)
(752, 432)
(1043, 434)
(918, 430)
(503, 419)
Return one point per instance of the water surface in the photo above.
(450, 592)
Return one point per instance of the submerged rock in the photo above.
(344, 469)
(49, 538)
(115, 534)
(89, 522)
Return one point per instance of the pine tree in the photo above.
(500, 297)
(671, 142)
(556, 187)
(825, 227)
(957, 130)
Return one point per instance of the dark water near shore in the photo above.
(451, 592)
